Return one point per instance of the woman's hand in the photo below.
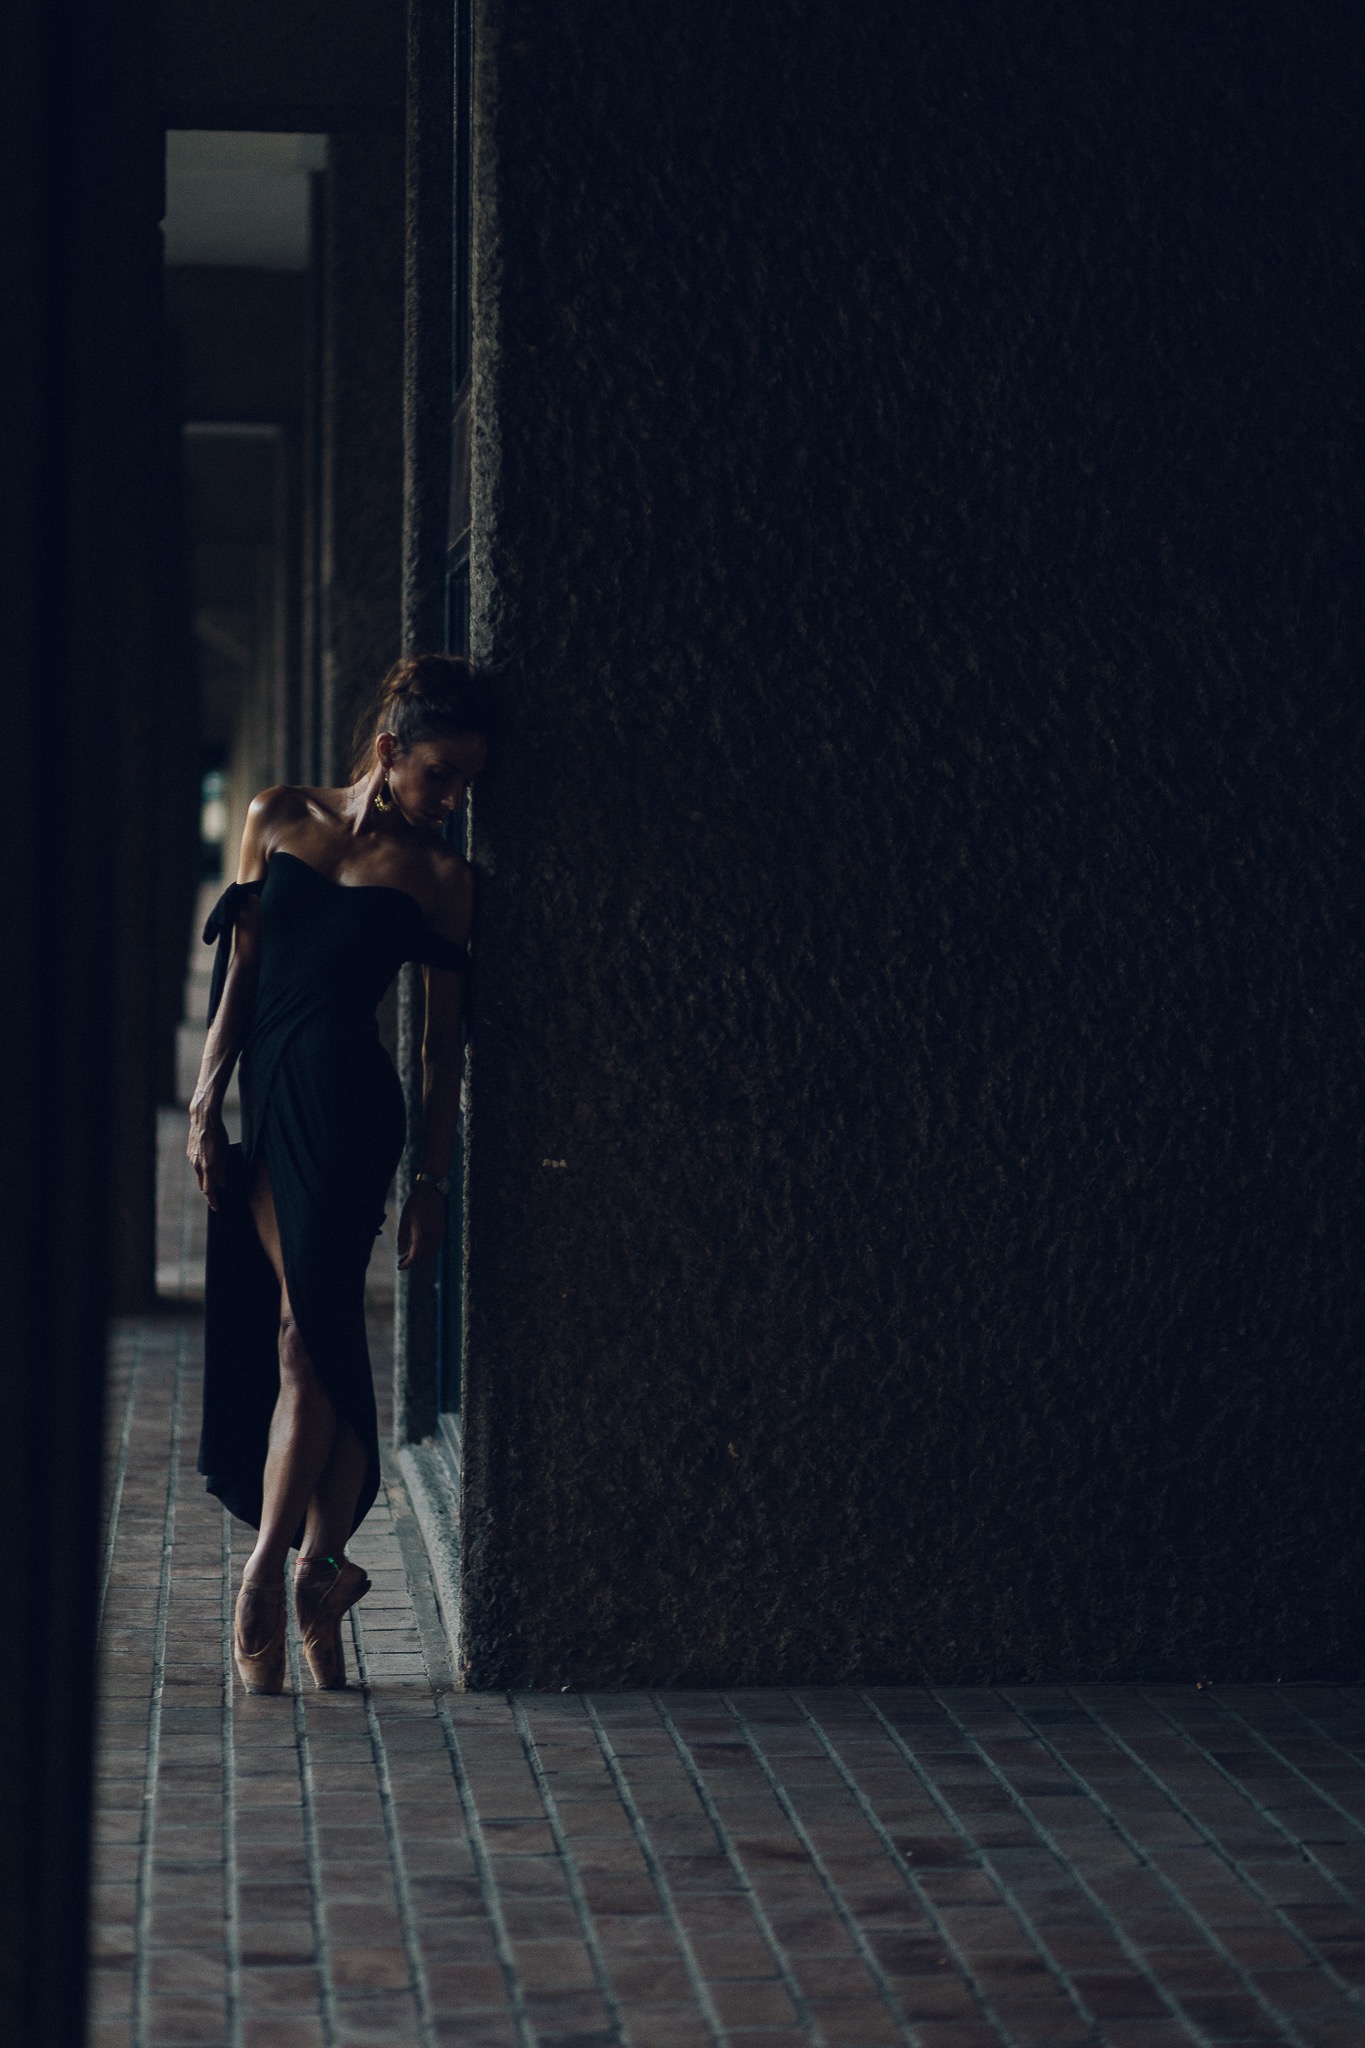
(422, 1225)
(208, 1150)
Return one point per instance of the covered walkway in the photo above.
(408, 1864)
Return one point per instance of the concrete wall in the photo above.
(361, 433)
(427, 294)
(917, 1180)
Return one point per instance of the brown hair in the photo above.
(424, 697)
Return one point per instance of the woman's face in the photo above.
(428, 782)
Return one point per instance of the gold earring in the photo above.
(382, 800)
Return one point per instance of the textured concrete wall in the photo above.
(361, 431)
(916, 1194)
(429, 178)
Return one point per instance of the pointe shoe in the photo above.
(324, 1588)
(260, 1670)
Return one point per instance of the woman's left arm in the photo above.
(421, 1227)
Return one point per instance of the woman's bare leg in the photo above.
(315, 1465)
(331, 1511)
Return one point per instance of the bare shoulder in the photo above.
(268, 813)
(452, 894)
(282, 804)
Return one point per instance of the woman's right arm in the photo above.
(208, 1141)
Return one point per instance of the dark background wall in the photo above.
(86, 630)
(916, 1187)
(320, 64)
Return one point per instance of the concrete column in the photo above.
(917, 1199)
(362, 436)
(309, 707)
(426, 489)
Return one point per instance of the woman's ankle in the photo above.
(259, 1571)
(319, 1560)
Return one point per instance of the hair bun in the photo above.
(421, 697)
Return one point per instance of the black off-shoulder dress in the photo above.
(322, 1105)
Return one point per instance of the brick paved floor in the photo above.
(403, 1863)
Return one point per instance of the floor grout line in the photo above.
(487, 1882)
(1112, 1926)
(412, 1948)
(1319, 1792)
(1291, 2033)
(147, 1840)
(1306, 1941)
(232, 1935)
(322, 1943)
(119, 1480)
(911, 1878)
(572, 1879)
(700, 1989)
(832, 1891)
(702, 1794)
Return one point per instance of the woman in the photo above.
(335, 889)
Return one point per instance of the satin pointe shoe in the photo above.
(324, 1588)
(262, 1669)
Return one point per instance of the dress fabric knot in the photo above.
(221, 920)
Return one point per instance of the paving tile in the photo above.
(183, 2017)
(743, 1954)
(473, 2030)
(456, 1986)
(652, 2025)
(187, 1969)
(851, 2023)
(293, 1988)
(270, 2030)
(940, 1997)
(751, 2002)
(109, 2033)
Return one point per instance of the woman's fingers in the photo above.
(209, 1170)
(417, 1240)
(205, 1152)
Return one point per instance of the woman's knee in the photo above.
(297, 1371)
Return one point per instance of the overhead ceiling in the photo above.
(239, 197)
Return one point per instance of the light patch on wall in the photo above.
(239, 197)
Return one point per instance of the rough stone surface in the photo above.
(916, 1192)
(362, 433)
